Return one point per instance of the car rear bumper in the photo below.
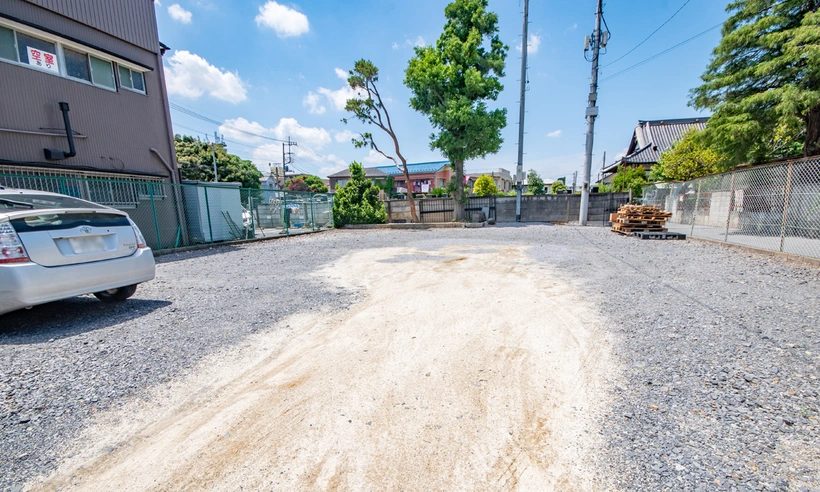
(29, 284)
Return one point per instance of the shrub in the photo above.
(438, 192)
(485, 186)
(357, 202)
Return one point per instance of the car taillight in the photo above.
(140, 237)
(11, 248)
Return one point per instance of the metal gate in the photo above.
(435, 210)
(479, 204)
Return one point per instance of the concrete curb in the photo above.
(765, 252)
(415, 226)
(165, 252)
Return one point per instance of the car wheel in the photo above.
(116, 295)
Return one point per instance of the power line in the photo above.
(658, 55)
(647, 38)
(194, 114)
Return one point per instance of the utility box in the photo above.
(213, 211)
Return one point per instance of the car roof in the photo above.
(11, 192)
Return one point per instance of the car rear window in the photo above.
(52, 222)
(37, 201)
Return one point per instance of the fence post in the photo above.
(731, 206)
(208, 212)
(786, 198)
(285, 212)
(154, 211)
(250, 209)
(695, 210)
(312, 212)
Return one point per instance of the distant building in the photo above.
(503, 180)
(341, 178)
(651, 139)
(424, 176)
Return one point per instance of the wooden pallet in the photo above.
(639, 218)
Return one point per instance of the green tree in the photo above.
(438, 192)
(452, 82)
(196, 163)
(485, 186)
(308, 182)
(629, 178)
(535, 184)
(369, 108)
(763, 83)
(687, 159)
(357, 202)
(558, 186)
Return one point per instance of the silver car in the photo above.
(54, 246)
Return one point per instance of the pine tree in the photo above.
(763, 83)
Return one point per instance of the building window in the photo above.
(22, 45)
(130, 79)
(102, 72)
(7, 49)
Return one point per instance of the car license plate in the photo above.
(83, 245)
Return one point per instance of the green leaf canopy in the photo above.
(763, 82)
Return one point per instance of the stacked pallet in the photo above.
(639, 218)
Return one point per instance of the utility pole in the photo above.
(519, 170)
(574, 180)
(596, 42)
(287, 158)
(213, 154)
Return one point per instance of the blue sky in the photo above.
(275, 69)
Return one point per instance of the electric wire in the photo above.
(647, 38)
(194, 114)
(658, 55)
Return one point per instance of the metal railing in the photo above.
(175, 216)
(774, 207)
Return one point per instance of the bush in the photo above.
(485, 186)
(558, 186)
(357, 202)
(438, 192)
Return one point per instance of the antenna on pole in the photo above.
(596, 42)
(519, 170)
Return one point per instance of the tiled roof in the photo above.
(652, 138)
(418, 168)
(369, 172)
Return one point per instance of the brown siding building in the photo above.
(103, 58)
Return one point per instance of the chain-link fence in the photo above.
(774, 207)
(174, 216)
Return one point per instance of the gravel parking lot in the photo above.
(711, 379)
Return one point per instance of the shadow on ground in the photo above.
(70, 317)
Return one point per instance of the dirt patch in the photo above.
(480, 372)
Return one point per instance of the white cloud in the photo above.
(179, 14)
(375, 158)
(344, 136)
(571, 28)
(284, 20)
(533, 43)
(312, 137)
(189, 75)
(311, 101)
(396, 46)
(338, 98)
(235, 129)
(555, 134)
(621, 153)
(420, 42)
(342, 74)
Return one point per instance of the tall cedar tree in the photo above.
(369, 108)
(763, 83)
(451, 83)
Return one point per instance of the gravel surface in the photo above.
(717, 349)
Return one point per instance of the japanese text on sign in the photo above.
(43, 59)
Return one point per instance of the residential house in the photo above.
(424, 176)
(503, 180)
(651, 139)
(94, 66)
(341, 178)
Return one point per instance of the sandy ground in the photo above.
(462, 369)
